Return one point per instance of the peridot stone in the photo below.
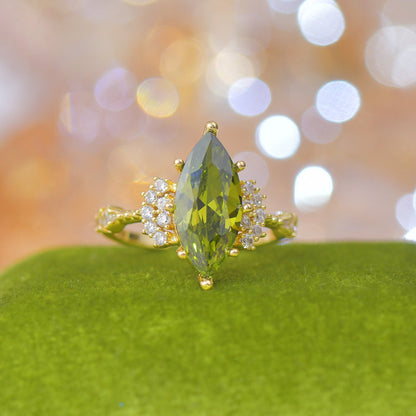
(208, 206)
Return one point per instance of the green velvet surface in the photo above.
(326, 329)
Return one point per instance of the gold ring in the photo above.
(209, 213)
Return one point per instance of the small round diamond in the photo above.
(150, 227)
(247, 241)
(163, 219)
(150, 197)
(160, 238)
(248, 188)
(257, 200)
(260, 216)
(161, 202)
(257, 230)
(247, 201)
(147, 212)
(246, 221)
(161, 185)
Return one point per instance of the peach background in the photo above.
(52, 182)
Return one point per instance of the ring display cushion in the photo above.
(326, 329)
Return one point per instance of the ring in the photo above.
(209, 213)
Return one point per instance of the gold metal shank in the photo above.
(282, 224)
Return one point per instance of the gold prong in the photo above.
(206, 283)
(179, 164)
(211, 127)
(253, 181)
(142, 193)
(155, 178)
(151, 187)
(264, 196)
(169, 206)
(263, 235)
(181, 253)
(234, 252)
(240, 165)
(256, 189)
(248, 208)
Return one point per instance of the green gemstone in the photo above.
(208, 206)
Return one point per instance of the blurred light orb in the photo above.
(256, 168)
(317, 129)
(158, 97)
(116, 89)
(313, 188)
(410, 235)
(232, 66)
(284, 6)
(182, 62)
(338, 101)
(249, 96)
(278, 137)
(414, 199)
(79, 116)
(390, 56)
(405, 212)
(321, 21)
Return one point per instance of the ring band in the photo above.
(210, 213)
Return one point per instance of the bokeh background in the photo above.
(99, 96)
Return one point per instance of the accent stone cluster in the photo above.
(157, 211)
(254, 216)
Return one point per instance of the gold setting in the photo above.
(158, 219)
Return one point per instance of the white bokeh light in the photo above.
(116, 89)
(317, 129)
(284, 6)
(338, 101)
(80, 116)
(390, 56)
(313, 188)
(249, 96)
(321, 21)
(414, 199)
(405, 212)
(278, 137)
(410, 235)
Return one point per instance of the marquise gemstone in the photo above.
(208, 207)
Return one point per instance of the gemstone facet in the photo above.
(208, 206)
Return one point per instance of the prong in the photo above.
(169, 206)
(206, 283)
(179, 164)
(248, 208)
(234, 252)
(264, 196)
(253, 181)
(256, 189)
(155, 178)
(181, 253)
(211, 127)
(263, 235)
(240, 165)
